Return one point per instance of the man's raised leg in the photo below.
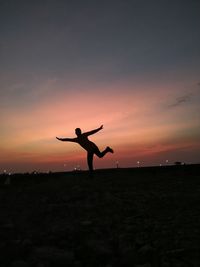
(105, 151)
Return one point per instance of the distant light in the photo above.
(117, 164)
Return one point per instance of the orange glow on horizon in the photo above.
(135, 125)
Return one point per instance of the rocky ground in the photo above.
(123, 217)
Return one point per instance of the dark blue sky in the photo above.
(102, 38)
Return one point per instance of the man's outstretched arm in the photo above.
(94, 131)
(66, 139)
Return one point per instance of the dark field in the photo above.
(121, 217)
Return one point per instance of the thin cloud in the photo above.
(181, 100)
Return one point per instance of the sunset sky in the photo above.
(133, 66)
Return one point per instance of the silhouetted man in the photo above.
(90, 147)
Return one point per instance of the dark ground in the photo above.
(122, 217)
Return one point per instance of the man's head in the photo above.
(78, 131)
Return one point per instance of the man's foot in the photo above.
(91, 175)
(110, 149)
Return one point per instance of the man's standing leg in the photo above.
(90, 161)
